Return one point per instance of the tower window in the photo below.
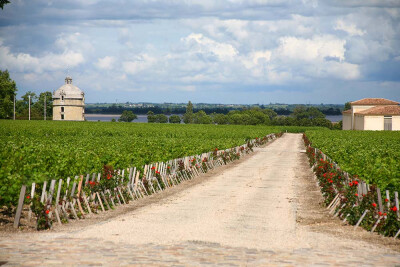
(62, 116)
(62, 109)
(62, 98)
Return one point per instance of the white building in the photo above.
(68, 102)
(376, 114)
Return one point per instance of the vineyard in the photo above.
(37, 151)
(373, 156)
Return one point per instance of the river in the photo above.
(143, 118)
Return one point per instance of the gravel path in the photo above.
(263, 211)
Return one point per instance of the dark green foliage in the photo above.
(3, 2)
(151, 118)
(127, 116)
(161, 118)
(8, 90)
(373, 155)
(188, 117)
(174, 119)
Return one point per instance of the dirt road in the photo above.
(262, 211)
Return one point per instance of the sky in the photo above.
(225, 51)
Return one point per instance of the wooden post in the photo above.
(101, 203)
(378, 191)
(43, 192)
(57, 215)
(32, 195)
(115, 192)
(396, 199)
(78, 195)
(105, 200)
(111, 198)
(58, 192)
(360, 220)
(388, 198)
(123, 199)
(20, 205)
(86, 202)
(376, 224)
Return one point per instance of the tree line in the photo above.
(301, 116)
(8, 91)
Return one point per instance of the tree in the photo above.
(127, 116)
(188, 116)
(3, 2)
(174, 119)
(161, 118)
(38, 106)
(347, 106)
(8, 90)
(151, 118)
(219, 118)
(201, 118)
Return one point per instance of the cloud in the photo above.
(105, 63)
(201, 45)
(198, 45)
(349, 28)
(24, 62)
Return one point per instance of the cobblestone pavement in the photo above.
(247, 215)
(96, 252)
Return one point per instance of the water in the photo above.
(334, 118)
(143, 118)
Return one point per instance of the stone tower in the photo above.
(68, 102)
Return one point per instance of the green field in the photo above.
(34, 151)
(373, 156)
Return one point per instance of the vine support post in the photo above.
(20, 205)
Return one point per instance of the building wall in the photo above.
(346, 122)
(356, 108)
(396, 123)
(73, 110)
(374, 123)
(358, 122)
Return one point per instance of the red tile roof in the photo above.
(374, 101)
(381, 110)
(347, 111)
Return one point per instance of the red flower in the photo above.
(169, 167)
(157, 172)
(374, 205)
(355, 182)
(356, 194)
(380, 213)
(47, 211)
(108, 176)
(350, 184)
(394, 208)
(386, 200)
(153, 168)
(384, 214)
(28, 197)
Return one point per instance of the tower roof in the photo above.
(68, 90)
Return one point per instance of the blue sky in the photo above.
(227, 51)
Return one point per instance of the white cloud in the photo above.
(24, 62)
(140, 64)
(317, 48)
(198, 43)
(105, 63)
(350, 28)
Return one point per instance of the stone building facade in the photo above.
(68, 102)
